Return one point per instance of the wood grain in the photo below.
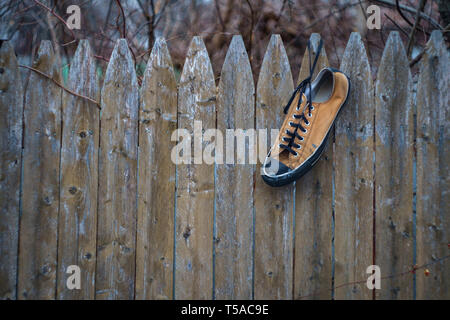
(116, 235)
(195, 182)
(393, 171)
(40, 195)
(79, 176)
(11, 112)
(273, 206)
(314, 210)
(234, 183)
(156, 188)
(353, 163)
(433, 181)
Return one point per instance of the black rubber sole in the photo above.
(309, 164)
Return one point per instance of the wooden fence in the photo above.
(98, 189)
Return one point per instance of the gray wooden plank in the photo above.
(273, 206)
(195, 181)
(433, 181)
(117, 211)
(40, 192)
(234, 183)
(353, 163)
(156, 188)
(393, 171)
(11, 112)
(79, 176)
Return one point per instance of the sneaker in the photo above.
(310, 115)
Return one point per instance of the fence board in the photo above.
(273, 206)
(353, 156)
(433, 182)
(79, 177)
(118, 171)
(156, 188)
(314, 211)
(234, 182)
(393, 171)
(195, 185)
(11, 111)
(40, 196)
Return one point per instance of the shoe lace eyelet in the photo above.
(306, 130)
(312, 107)
(309, 114)
(307, 123)
(296, 154)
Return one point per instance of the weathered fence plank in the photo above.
(314, 210)
(118, 173)
(353, 163)
(433, 181)
(234, 182)
(393, 171)
(195, 185)
(273, 206)
(79, 177)
(40, 195)
(156, 188)
(11, 111)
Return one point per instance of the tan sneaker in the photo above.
(305, 130)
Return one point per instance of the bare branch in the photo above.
(413, 31)
(60, 85)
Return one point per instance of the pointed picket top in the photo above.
(355, 65)
(394, 76)
(236, 78)
(120, 68)
(393, 55)
(11, 112)
(322, 61)
(197, 64)
(433, 105)
(355, 56)
(82, 75)
(8, 57)
(275, 84)
(394, 62)
(159, 59)
(10, 71)
(436, 51)
(45, 61)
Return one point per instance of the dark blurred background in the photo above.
(27, 22)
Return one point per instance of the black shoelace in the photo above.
(301, 89)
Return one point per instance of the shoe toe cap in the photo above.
(273, 167)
